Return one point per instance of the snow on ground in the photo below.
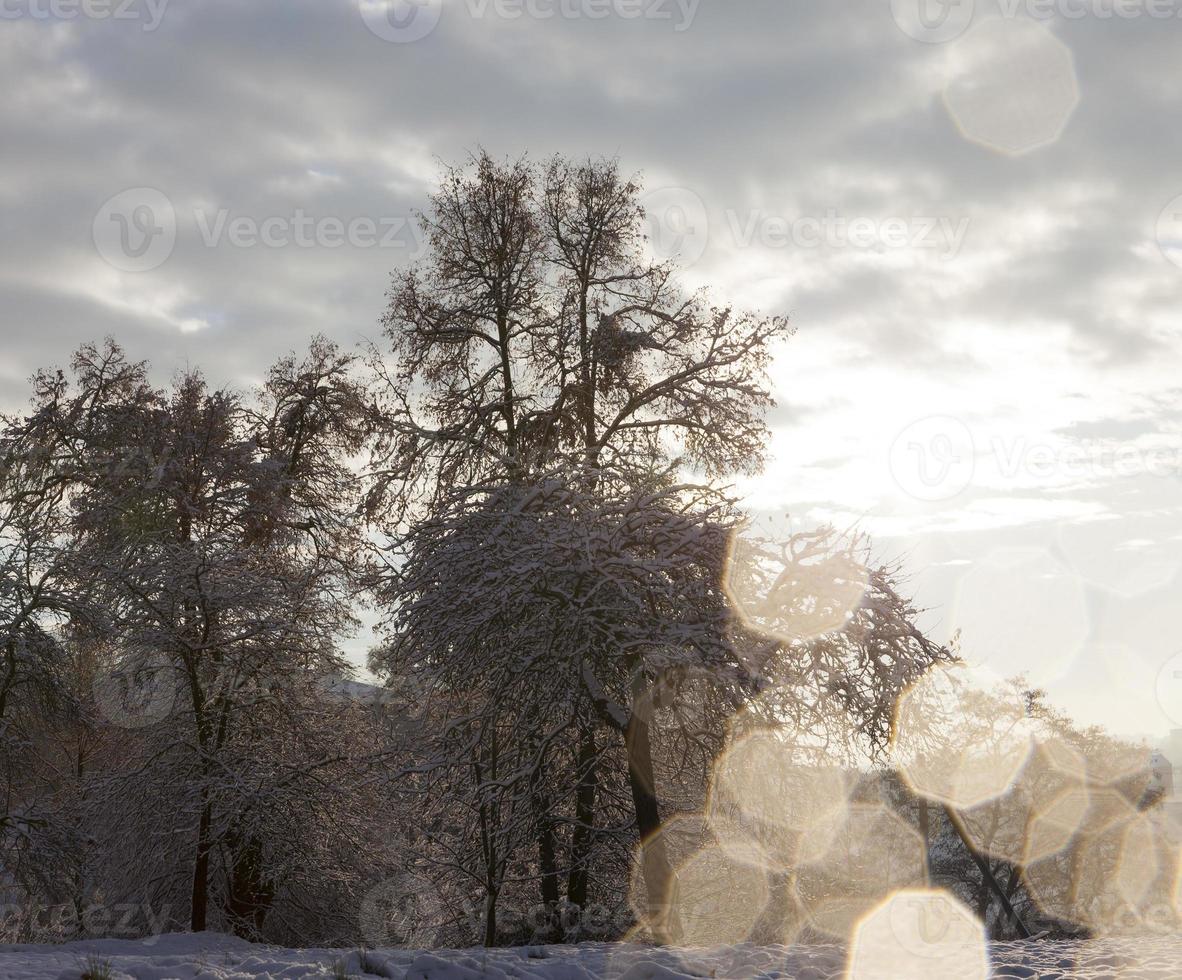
(214, 957)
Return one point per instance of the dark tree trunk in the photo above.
(925, 831)
(486, 761)
(248, 895)
(577, 882)
(200, 898)
(987, 876)
(547, 861)
(490, 919)
(547, 865)
(642, 782)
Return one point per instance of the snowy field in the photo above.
(187, 957)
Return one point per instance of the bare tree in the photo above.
(537, 331)
(538, 335)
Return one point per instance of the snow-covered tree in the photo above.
(550, 402)
(219, 535)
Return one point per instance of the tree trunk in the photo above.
(641, 780)
(486, 760)
(577, 882)
(547, 861)
(987, 875)
(200, 899)
(925, 831)
(248, 894)
(490, 919)
(983, 893)
(547, 864)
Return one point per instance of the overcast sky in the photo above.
(971, 212)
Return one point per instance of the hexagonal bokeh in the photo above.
(1139, 861)
(785, 917)
(786, 801)
(1021, 611)
(793, 595)
(821, 731)
(1014, 85)
(956, 744)
(919, 933)
(716, 900)
(1056, 756)
(1168, 689)
(1082, 883)
(678, 840)
(1123, 879)
(1120, 765)
(874, 853)
(1169, 231)
(1054, 825)
(1037, 804)
(1128, 556)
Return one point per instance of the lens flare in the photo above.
(716, 900)
(1053, 826)
(802, 590)
(785, 799)
(919, 933)
(1003, 827)
(956, 744)
(676, 842)
(874, 853)
(1083, 884)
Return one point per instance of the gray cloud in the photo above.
(782, 108)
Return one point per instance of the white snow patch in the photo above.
(209, 956)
